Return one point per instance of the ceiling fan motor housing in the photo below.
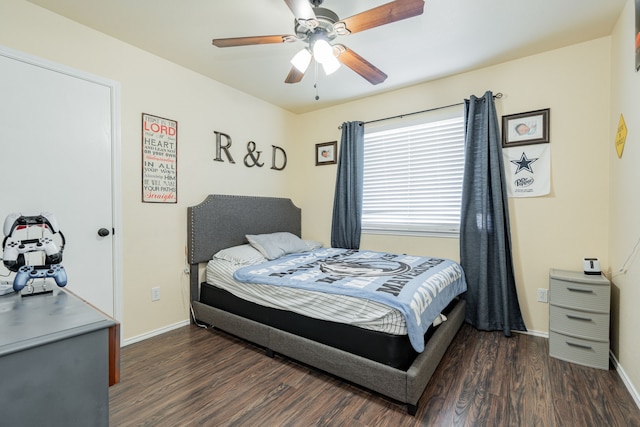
(325, 19)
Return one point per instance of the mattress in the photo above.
(319, 305)
(392, 350)
(365, 328)
(419, 287)
(348, 310)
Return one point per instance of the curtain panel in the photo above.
(485, 237)
(346, 223)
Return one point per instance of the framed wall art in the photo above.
(525, 128)
(326, 153)
(159, 159)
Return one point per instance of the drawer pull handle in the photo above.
(584, 291)
(572, 344)
(584, 319)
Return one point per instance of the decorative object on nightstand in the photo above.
(579, 318)
(591, 266)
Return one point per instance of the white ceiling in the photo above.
(452, 36)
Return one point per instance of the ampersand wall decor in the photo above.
(252, 158)
(251, 149)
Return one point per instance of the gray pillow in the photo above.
(275, 245)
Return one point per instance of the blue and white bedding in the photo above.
(419, 287)
(358, 312)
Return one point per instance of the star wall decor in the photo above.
(524, 163)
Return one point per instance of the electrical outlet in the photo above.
(186, 270)
(155, 294)
(543, 295)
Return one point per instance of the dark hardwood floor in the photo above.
(197, 377)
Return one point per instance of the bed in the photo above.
(386, 363)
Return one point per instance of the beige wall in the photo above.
(624, 224)
(154, 235)
(557, 230)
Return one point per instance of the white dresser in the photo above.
(579, 318)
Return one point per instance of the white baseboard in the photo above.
(150, 334)
(534, 333)
(625, 379)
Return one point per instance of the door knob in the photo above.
(103, 232)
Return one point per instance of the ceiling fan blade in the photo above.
(246, 41)
(294, 76)
(381, 15)
(303, 12)
(360, 65)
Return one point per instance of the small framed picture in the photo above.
(326, 153)
(525, 128)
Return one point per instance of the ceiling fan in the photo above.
(319, 27)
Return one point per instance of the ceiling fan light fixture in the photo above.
(301, 60)
(324, 54)
(330, 66)
(322, 51)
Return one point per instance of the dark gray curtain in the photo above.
(347, 203)
(485, 238)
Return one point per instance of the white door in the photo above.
(57, 155)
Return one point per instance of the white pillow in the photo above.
(242, 254)
(313, 245)
(275, 245)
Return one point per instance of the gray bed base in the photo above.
(222, 221)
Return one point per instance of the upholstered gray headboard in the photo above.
(222, 221)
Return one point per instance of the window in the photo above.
(413, 176)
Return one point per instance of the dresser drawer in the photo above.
(579, 295)
(576, 350)
(581, 324)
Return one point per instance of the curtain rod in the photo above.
(401, 116)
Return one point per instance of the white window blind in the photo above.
(413, 177)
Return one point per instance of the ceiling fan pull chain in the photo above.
(315, 83)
